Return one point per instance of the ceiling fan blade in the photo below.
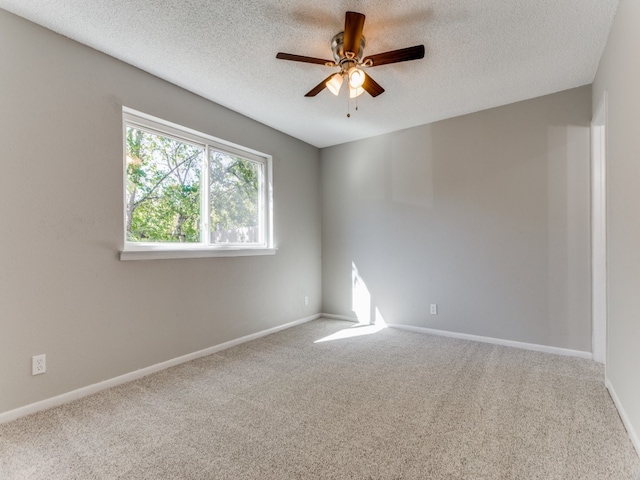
(318, 88)
(371, 86)
(301, 58)
(395, 56)
(353, 24)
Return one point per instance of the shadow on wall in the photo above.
(396, 169)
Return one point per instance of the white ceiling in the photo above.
(479, 53)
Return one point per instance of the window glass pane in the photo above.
(234, 199)
(163, 188)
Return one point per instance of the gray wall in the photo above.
(486, 215)
(63, 291)
(619, 75)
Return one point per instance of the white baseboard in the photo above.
(143, 372)
(633, 435)
(497, 341)
(340, 317)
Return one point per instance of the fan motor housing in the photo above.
(337, 47)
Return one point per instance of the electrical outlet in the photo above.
(38, 364)
(434, 309)
(306, 300)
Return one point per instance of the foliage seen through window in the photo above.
(165, 181)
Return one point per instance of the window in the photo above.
(187, 194)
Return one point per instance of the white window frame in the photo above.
(154, 251)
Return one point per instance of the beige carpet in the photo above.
(388, 405)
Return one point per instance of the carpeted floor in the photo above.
(388, 404)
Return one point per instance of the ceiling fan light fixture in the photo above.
(334, 83)
(356, 77)
(355, 92)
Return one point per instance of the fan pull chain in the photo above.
(349, 106)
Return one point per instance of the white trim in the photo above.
(599, 231)
(162, 254)
(477, 338)
(633, 435)
(143, 372)
(497, 341)
(340, 317)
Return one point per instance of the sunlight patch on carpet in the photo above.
(357, 330)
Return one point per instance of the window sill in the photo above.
(164, 254)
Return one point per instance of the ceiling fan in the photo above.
(348, 51)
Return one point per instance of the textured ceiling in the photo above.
(479, 53)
